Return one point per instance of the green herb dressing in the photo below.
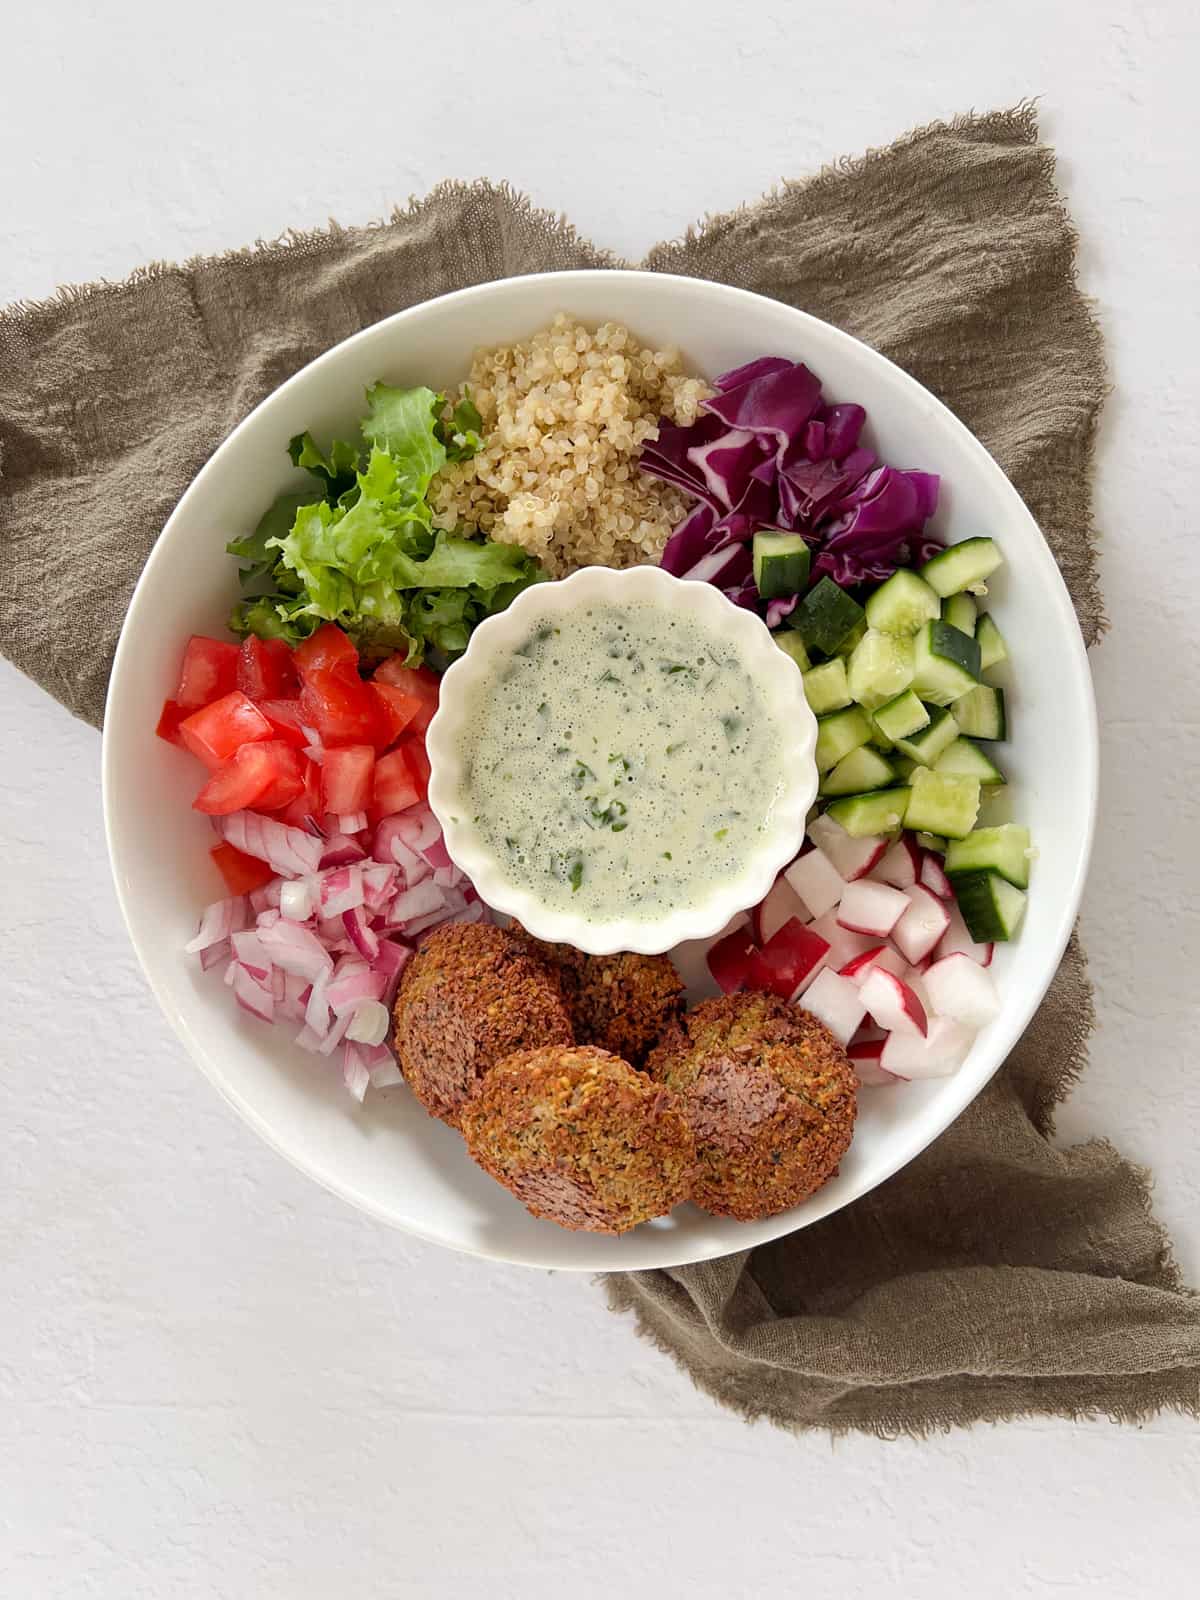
(621, 762)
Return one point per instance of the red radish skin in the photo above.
(836, 1002)
(865, 1058)
(939, 1054)
(731, 960)
(817, 882)
(788, 959)
(892, 1003)
(957, 938)
(933, 876)
(853, 858)
(869, 907)
(899, 864)
(960, 989)
(881, 955)
(780, 906)
(918, 931)
(843, 944)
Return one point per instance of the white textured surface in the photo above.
(215, 1380)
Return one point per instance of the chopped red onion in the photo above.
(218, 921)
(288, 851)
(341, 889)
(369, 1023)
(250, 994)
(340, 850)
(296, 899)
(352, 821)
(360, 933)
(295, 948)
(355, 1072)
(336, 1032)
(212, 955)
(417, 902)
(252, 953)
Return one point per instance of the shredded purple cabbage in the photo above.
(767, 452)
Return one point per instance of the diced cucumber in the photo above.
(961, 612)
(991, 907)
(781, 563)
(973, 762)
(942, 802)
(825, 687)
(980, 713)
(881, 811)
(901, 716)
(880, 668)
(826, 616)
(879, 741)
(992, 648)
(961, 566)
(840, 733)
(850, 642)
(927, 744)
(790, 642)
(862, 769)
(931, 841)
(902, 604)
(945, 663)
(1003, 849)
(905, 766)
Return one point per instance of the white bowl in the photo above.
(778, 679)
(388, 1157)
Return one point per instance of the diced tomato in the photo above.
(328, 650)
(395, 789)
(397, 708)
(306, 804)
(209, 671)
(215, 732)
(265, 670)
(241, 872)
(255, 775)
(787, 958)
(342, 709)
(346, 778)
(420, 684)
(168, 723)
(418, 763)
(286, 721)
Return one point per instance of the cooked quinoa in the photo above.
(565, 414)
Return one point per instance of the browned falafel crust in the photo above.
(581, 1138)
(770, 1096)
(470, 996)
(621, 1003)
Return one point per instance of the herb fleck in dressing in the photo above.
(621, 762)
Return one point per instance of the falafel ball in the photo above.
(581, 1138)
(621, 1002)
(770, 1096)
(470, 996)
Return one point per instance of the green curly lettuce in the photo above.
(360, 549)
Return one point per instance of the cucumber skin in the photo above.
(927, 744)
(1001, 850)
(904, 719)
(942, 571)
(965, 757)
(878, 774)
(946, 663)
(981, 898)
(826, 617)
(780, 573)
(862, 815)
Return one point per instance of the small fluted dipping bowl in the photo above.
(778, 680)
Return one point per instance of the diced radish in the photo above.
(867, 1033)
(899, 864)
(956, 938)
(892, 1003)
(731, 960)
(865, 1057)
(921, 926)
(788, 959)
(859, 967)
(837, 1002)
(780, 906)
(817, 881)
(870, 907)
(853, 858)
(957, 987)
(844, 945)
(933, 876)
(941, 1052)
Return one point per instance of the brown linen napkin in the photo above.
(995, 1276)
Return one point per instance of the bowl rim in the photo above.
(779, 680)
(1020, 1008)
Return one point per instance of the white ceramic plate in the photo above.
(388, 1157)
